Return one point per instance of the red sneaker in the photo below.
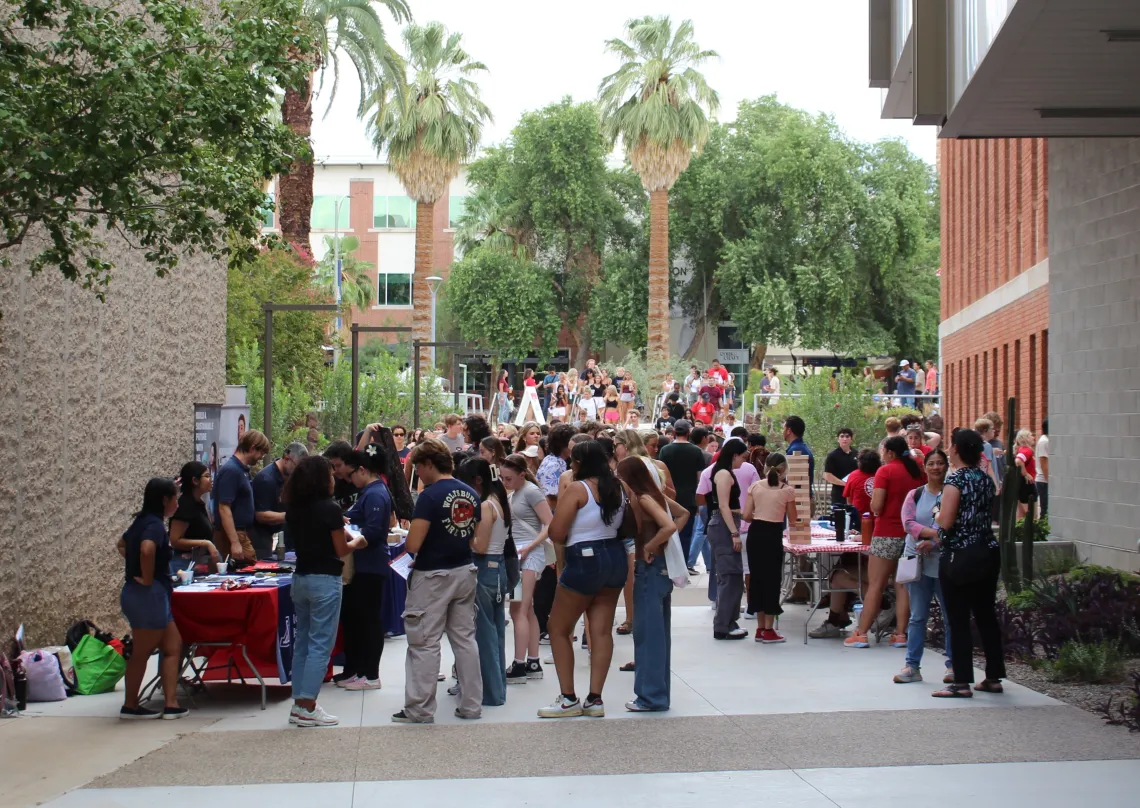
(759, 635)
(772, 636)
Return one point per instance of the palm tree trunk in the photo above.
(658, 342)
(295, 189)
(421, 295)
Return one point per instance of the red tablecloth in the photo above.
(245, 616)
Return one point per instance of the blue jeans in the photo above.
(698, 546)
(316, 605)
(652, 643)
(686, 535)
(921, 592)
(504, 408)
(491, 627)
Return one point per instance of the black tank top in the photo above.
(733, 496)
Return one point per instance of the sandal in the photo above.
(628, 667)
(625, 628)
(954, 691)
(989, 686)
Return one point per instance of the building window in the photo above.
(457, 206)
(733, 354)
(269, 211)
(394, 289)
(393, 212)
(324, 215)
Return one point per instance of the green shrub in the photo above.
(1087, 572)
(1040, 529)
(1093, 663)
(1057, 562)
(1025, 599)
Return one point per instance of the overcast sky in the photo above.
(811, 53)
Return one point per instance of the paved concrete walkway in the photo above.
(787, 724)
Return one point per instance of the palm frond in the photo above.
(433, 120)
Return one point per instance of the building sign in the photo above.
(733, 356)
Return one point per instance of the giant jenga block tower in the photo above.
(799, 478)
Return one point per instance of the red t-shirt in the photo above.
(897, 482)
(530, 383)
(858, 489)
(714, 394)
(1026, 455)
(721, 371)
(704, 412)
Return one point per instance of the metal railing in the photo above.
(885, 399)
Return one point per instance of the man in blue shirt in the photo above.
(269, 513)
(794, 435)
(548, 382)
(234, 512)
(905, 383)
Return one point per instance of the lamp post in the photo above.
(337, 269)
(433, 283)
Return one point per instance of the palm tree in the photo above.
(350, 28)
(430, 124)
(486, 224)
(656, 103)
(357, 285)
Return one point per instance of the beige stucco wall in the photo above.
(95, 398)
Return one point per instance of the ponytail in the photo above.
(776, 464)
(897, 446)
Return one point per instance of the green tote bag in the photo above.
(98, 666)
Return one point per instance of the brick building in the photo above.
(995, 275)
(1038, 103)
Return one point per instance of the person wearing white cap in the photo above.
(905, 381)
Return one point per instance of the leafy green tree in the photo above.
(357, 285)
(548, 195)
(504, 303)
(659, 104)
(149, 119)
(277, 275)
(430, 123)
(332, 29)
(803, 237)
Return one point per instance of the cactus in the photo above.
(1007, 519)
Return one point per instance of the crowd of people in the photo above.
(555, 523)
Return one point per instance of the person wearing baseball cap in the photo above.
(905, 382)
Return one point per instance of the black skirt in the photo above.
(765, 547)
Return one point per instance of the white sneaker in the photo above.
(360, 683)
(317, 717)
(561, 708)
(346, 682)
(749, 615)
(549, 660)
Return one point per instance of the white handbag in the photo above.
(675, 562)
(910, 569)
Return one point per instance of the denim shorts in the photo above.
(592, 566)
(146, 607)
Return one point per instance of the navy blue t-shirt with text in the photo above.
(452, 508)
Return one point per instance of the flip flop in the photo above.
(989, 686)
(625, 628)
(953, 692)
(627, 667)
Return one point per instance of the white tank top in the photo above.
(588, 524)
(654, 472)
(498, 531)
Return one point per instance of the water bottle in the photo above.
(867, 528)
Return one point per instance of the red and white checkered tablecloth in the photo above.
(823, 541)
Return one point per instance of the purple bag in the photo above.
(45, 682)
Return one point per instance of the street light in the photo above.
(433, 283)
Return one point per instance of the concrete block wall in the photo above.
(95, 398)
(1094, 347)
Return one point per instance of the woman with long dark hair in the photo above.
(491, 449)
(492, 534)
(898, 476)
(660, 518)
(503, 394)
(363, 597)
(770, 501)
(191, 532)
(918, 513)
(587, 521)
(316, 524)
(145, 600)
(968, 571)
(723, 534)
